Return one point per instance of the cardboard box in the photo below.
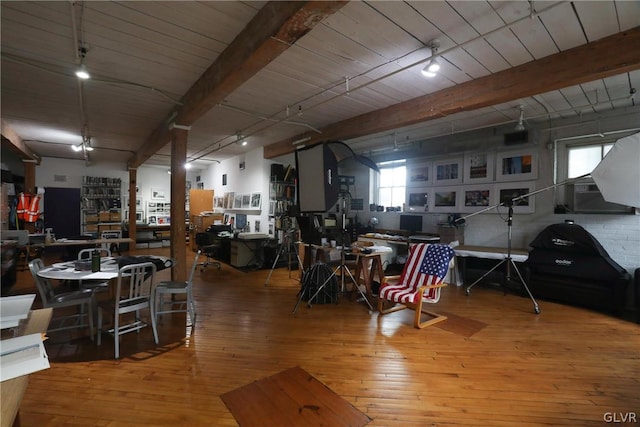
(91, 218)
(115, 217)
(104, 216)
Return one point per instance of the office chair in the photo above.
(421, 281)
(206, 245)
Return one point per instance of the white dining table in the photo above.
(67, 271)
(108, 269)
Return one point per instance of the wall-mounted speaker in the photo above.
(318, 182)
(515, 138)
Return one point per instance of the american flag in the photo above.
(427, 264)
(436, 260)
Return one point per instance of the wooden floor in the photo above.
(565, 366)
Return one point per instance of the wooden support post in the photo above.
(179, 136)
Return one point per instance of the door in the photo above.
(62, 211)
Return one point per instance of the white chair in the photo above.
(133, 294)
(173, 288)
(85, 254)
(82, 299)
(111, 234)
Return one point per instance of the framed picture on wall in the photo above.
(508, 191)
(418, 200)
(446, 199)
(246, 201)
(477, 197)
(237, 201)
(158, 194)
(447, 172)
(516, 165)
(478, 167)
(419, 174)
(256, 200)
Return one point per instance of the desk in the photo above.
(367, 266)
(485, 252)
(248, 251)
(12, 391)
(88, 242)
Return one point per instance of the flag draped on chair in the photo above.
(426, 265)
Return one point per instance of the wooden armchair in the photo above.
(421, 281)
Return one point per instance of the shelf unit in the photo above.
(159, 213)
(100, 204)
(281, 197)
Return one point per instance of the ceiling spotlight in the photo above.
(520, 126)
(240, 140)
(82, 72)
(187, 165)
(433, 66)
(87, 144)
(77, 148)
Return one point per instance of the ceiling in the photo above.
(277, 73)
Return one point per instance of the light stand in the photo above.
(342, 267)
(508, 260)
(286, 247)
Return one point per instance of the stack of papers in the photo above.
(22, 356)
(15, 308)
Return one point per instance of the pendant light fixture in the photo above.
(433, 66)
(82, 72)
(520, 126)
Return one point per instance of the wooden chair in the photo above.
(421, 281)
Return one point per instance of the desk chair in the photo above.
(206, 244)
(133, 294)
(158, 302)
(82, 299)
(421, 281)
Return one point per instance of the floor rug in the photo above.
(460, 325)
(291, 398)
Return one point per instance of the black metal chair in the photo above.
(206, 243)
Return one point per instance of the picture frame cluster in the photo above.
(473, 182)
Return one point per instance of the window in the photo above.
(583, 159)
(389, 187)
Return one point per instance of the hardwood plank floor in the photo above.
(566, 366)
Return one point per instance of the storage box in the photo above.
(142, 246)
(155, 244)
(166, 243)
(91, 227)
(115, 217)
(91, 218)
(104, 216)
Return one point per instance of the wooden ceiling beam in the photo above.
(607, 57)
(274, 29)
(11, 139)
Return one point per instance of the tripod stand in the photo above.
(510, 264)
(287, 247)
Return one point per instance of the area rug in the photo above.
(460, 325)
(291, 398)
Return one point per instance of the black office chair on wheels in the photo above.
(207, 245)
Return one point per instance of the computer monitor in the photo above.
(411, 223)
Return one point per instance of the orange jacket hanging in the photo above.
(28, 208)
